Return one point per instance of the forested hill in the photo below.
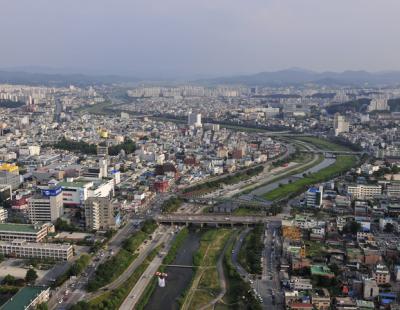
(8, 104)
(361, 105)
(394, 105)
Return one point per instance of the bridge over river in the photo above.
(214, 219)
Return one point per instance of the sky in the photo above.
(199, 37)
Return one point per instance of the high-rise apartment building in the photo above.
(340, 124)
(99, 213)
(194, 119)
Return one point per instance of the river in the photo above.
(269, 187)
(178, 278)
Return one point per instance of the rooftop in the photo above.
(37, 245)
(73, 184)
(321, 270)
(22, 298)
(11, 227)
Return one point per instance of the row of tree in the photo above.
(229, 179)
(252, 250)
(91, 149)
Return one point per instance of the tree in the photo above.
(352, 227)
(395, 169)
(31, 276)
(81, 305)
(389, 228)
(42, 306)
(9, 280)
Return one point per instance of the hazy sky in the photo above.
(189, 37)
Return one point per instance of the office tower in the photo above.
(46, 205)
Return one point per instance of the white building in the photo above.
(3, 215)
(46, 206)
(102, 188)
(340, 124)
(298, 283)
(75, 192)
(378, 104)
(23, 249)
(362, 191)
(194, 119)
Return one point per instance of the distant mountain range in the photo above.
(294, 77)
(300, 77)
(56, 79)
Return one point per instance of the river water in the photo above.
(178, 279)
(267, 188)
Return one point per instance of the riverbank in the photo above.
(342, 164)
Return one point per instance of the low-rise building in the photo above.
(300, 284)
(321, 299)
(381, 274)
(322, 271)
(27, 298)
(31, 233)
(371, 289)
(362, 191)
(23, 249)
(393, 190)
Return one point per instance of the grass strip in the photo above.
(168, 259)
(113, 299)
(342, 164)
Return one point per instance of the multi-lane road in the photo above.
(134, 295)
(268, 285)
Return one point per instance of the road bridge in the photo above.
(213, 219)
